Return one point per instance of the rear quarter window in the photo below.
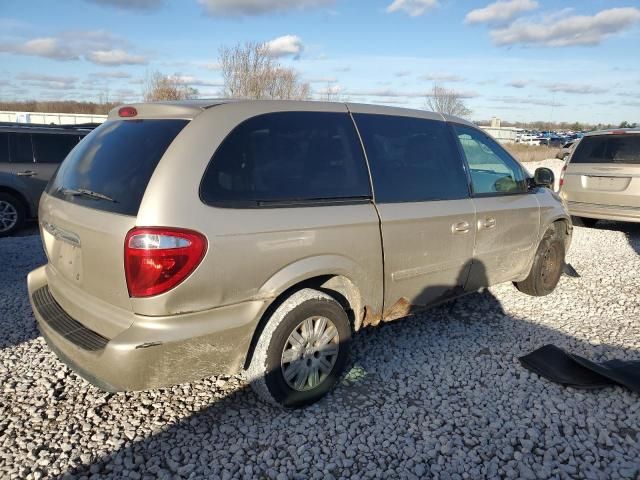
(115, 161)
(287, 158)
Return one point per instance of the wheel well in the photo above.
(340, 288)
(19, 197)
(561, 230)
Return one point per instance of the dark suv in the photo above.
(29, 155)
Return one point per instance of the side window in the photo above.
(52, 148)
(4, 147)
(287, 157)
(411, 159)
(492, 169)
(20, 148)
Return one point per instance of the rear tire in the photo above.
(12, 214)
(547, 267)
(302, 351)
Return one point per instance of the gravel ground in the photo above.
(437, 395)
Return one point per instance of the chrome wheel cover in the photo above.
(8, 216)
(310, 353)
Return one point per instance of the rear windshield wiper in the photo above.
(86, 193)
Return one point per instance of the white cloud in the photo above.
(258, 7)
(392, 93)
(500, 12)
(284, 46)
(518, 83)
(209, 65)
(130, 4)
(330, 91)
(521, 100)
(413, 8)
(575, 30)
(195, 81)
(442, 77)
(97, 46)
(47, 47)
(574, 88)
(321, 80)
(114, 74)
(53, 82)
(115, 57)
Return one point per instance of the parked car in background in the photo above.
(565, 152)
(29, 155)
(529, 139)
(602, 178)
(187, 239)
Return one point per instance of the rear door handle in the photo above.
(487, 223)
(26, 173)
(460, 228)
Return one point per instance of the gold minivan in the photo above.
(207, 237)
(602, 177)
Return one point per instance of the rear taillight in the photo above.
(561, 182)
(156, 259)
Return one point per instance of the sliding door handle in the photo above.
(460, 228)
(487, 223)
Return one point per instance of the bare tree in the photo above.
(450, 102)
(167, 87)
(250, 71)
(331, 93)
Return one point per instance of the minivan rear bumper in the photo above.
(154, 351)
(604, 212)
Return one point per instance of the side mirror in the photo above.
(543, 177)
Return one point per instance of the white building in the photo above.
(49, 118)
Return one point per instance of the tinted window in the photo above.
(287, 157)
(608, 149)
(411, 159)
(20, 148)
(116, 160)
(4, 147)
(492, 169)
(52, 148)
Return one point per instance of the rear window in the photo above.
(110, 169)
(608, 149)
(287, 157)
(51, 147)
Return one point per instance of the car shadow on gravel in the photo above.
(17, 323)
(450, 372)
(631, 230)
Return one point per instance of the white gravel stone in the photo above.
(438, 395)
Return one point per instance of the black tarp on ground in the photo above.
(565, 368)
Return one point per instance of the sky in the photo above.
(519, 60)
